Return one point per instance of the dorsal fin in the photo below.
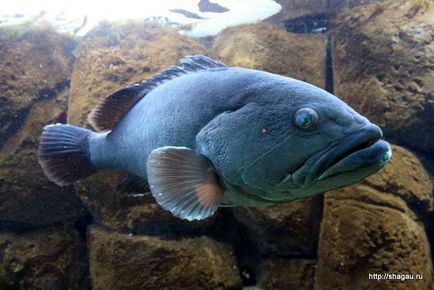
(113, 108)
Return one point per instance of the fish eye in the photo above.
(305, 118)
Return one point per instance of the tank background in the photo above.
(376, 55)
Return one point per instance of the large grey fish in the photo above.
(206, 135)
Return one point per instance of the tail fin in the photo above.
(64, 153)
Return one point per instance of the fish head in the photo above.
(303, 142)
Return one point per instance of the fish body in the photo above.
(206, 135)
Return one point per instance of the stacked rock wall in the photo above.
(39, 245)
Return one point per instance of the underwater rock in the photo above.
(289, 229)
(52, 258)
(405, 177)
(138, 214)
(122, 261)
(369, 229)
(359, 238)
(265, 47)
(111, 57)
(291, 274)
(383, 64)
(307, 13)
(35, 67)
(297, 8)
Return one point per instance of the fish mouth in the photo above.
(360, 149)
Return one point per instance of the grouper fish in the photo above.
(204, 135)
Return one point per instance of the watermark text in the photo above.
(395, 276)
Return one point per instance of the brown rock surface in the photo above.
(35, 67)
(383, 64)
(306, 10)
(109, 58)
(293, 274)
(286, 229)
(112, 56)
(265, 47)
(120, 261)
(141, 214)
(369, 229)
(404, 176)
(52, 258)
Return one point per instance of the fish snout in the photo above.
(361, 139)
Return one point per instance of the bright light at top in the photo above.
(68, 15)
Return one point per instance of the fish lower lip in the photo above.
(376, 154)
(320, 162)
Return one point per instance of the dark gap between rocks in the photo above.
(11, 123)
(321, 214)
(17, 227)
(236, 235)
(428, 223)
(307, 24)
(81, 225)
(329, 85)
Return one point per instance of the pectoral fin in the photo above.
(184, 182)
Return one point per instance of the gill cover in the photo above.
(249, 147)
